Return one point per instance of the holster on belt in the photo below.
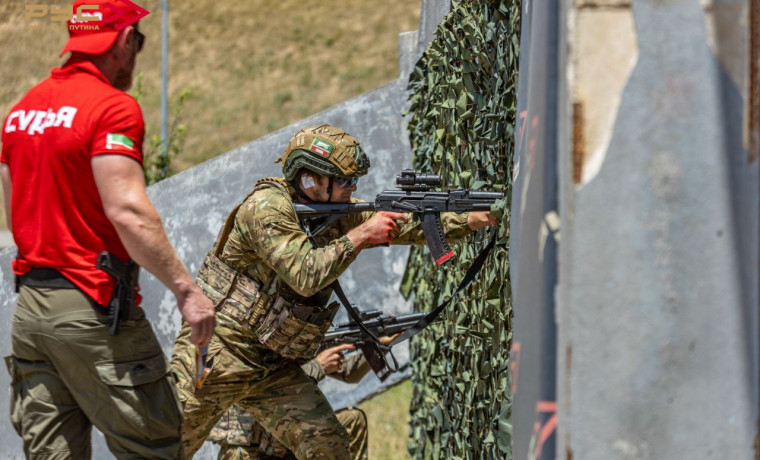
(124, 297)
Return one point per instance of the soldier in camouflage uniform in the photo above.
(242, 438)
(271, 286)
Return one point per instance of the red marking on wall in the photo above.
(752, 111)
(514, 366)
(579, 145)
(532, 143)
(546, 411)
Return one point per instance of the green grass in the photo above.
(252, 67)
(388, 421)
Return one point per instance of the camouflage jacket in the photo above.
(268, 244)
(238, 428)
(264, 241)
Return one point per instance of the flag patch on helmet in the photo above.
(321, 147)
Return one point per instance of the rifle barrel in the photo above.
(478, 195)
(333, 208)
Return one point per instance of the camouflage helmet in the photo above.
(325, 150)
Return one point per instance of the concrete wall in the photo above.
(658, 291)
(194, 204)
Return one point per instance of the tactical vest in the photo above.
(289, 328)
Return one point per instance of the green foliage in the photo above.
(461, 121)
(158, 155)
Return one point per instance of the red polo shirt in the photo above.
(48, 141)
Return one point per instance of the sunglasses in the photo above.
(140, 40)
(346, 182)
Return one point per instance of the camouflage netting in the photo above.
(462, 118)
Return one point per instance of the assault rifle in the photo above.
(379, 325)
(414, 195)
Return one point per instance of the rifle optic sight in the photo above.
(410, 179)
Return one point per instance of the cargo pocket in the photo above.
(233, 293)
(271, 447)
(307, 342)
(215, 278)
(144, 392)
(311, 337)
(281, 331)
(278, 331)
(16, 394)
(243, 297)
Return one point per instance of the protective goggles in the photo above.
(140, 40)
(346, 182)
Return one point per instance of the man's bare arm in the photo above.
(5, 175)
(121, 186)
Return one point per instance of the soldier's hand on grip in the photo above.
(382, 228)
(331, 359)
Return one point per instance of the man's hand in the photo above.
(479, 219)
(382, 228)
(198, 311)
(387, 340)
(331, 359)
(5, 174)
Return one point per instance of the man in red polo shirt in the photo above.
(71, 169)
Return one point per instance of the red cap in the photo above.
(95, 24)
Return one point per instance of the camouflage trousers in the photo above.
(68, 374)
(273, 389)
(242, 438)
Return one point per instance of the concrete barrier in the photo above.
(194, 204)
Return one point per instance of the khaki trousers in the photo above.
(69, 374)
(268, 448)
(274, 390)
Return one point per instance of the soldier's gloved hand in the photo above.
(331, 359)
(479, 219)
(382, 228)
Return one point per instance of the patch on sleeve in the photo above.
(119, 141)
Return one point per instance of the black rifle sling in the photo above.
(375, 347)
(477, 264)
(373, 350)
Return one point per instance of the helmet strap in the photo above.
(330, 189)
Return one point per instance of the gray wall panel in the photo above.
(194, 204)
(658, 264)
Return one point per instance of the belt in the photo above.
(45, 278)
